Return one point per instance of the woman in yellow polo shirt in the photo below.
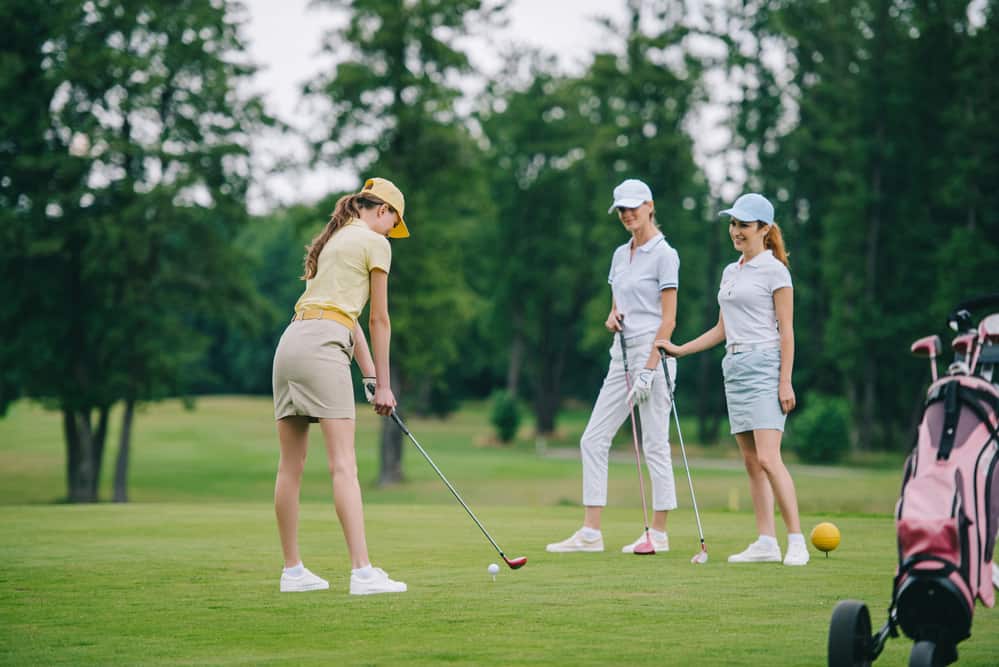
(345, 265)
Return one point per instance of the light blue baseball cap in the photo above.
(750, 208)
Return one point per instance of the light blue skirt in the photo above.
(751, 380)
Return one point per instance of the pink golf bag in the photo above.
(947, 515)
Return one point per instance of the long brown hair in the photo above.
(774, 242)
(347, 208)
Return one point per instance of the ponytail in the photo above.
(774, 242)
(347, 208)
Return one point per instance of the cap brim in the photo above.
(743, 216)
(400, 231)
(627, 203)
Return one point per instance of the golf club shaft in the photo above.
(399, 422)
(634, 432)
(683, 451)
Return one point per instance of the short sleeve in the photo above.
(668, 269)
(778, 276)
(379, 254)
(610, 274)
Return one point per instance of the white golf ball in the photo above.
(493, 568)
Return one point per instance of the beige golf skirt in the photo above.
(312, 371)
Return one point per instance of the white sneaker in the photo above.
(577, 543)
(378, 582)
(660, 545)
(797, 554)
(306, 582)
(995, 574)
(757, 552)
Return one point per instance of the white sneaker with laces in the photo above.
(757, 552)
(306, 582)
(797, 554)
(660, 545)
(378, 582)
(577, 543)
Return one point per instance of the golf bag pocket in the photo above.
(933, 528)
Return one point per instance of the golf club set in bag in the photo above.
(645, 548)
(947, 514)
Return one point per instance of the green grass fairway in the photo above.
(188, 572)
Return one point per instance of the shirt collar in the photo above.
(764, 256)
(651, 243)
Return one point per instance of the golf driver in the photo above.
(646, 548)
(513, 563)
(701, 556)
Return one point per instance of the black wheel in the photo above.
(927, 653)
(850, 635)
(923, 654)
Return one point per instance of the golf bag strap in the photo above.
(952, 413)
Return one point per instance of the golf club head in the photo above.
(700, 558)
(645, 549)
(515, 563)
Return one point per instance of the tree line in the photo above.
(134, 272)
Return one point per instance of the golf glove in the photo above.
(642, 388)
(369, 388)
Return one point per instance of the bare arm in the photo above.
(613, 322)
(784, 308)
(667, 301)
(381, 335)
(705, 341)
(362, 353)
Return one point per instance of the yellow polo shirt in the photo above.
(342, 282)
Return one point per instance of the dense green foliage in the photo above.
(505, 415)
(822, 430)
(133, 273)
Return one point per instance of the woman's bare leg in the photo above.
(759, 484)
(293, 434)
(339, 435)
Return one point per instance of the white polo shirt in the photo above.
(637, 282)
(746, 299)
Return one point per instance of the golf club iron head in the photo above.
(700, 557)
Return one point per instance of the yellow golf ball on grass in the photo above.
(825, 537)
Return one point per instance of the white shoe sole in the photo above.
(306, 588)
(378, 591)
(797, 563)
(737, 559)
(555, 549)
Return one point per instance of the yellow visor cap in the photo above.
(385, 190)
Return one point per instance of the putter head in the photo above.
(700, 557)
(645, 548)
(516, 563)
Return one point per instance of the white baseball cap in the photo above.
(631, 193)
(751, 208)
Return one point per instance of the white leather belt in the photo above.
(739, 348)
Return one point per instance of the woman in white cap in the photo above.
(755, 322)
(347, 263)
(643, 277)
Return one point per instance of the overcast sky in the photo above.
(284, 38)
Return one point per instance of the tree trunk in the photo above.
(390, 467)
(124, 445)
(81, 489)
(73, 453)
(97, 451)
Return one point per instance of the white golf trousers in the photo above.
(610, 412)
